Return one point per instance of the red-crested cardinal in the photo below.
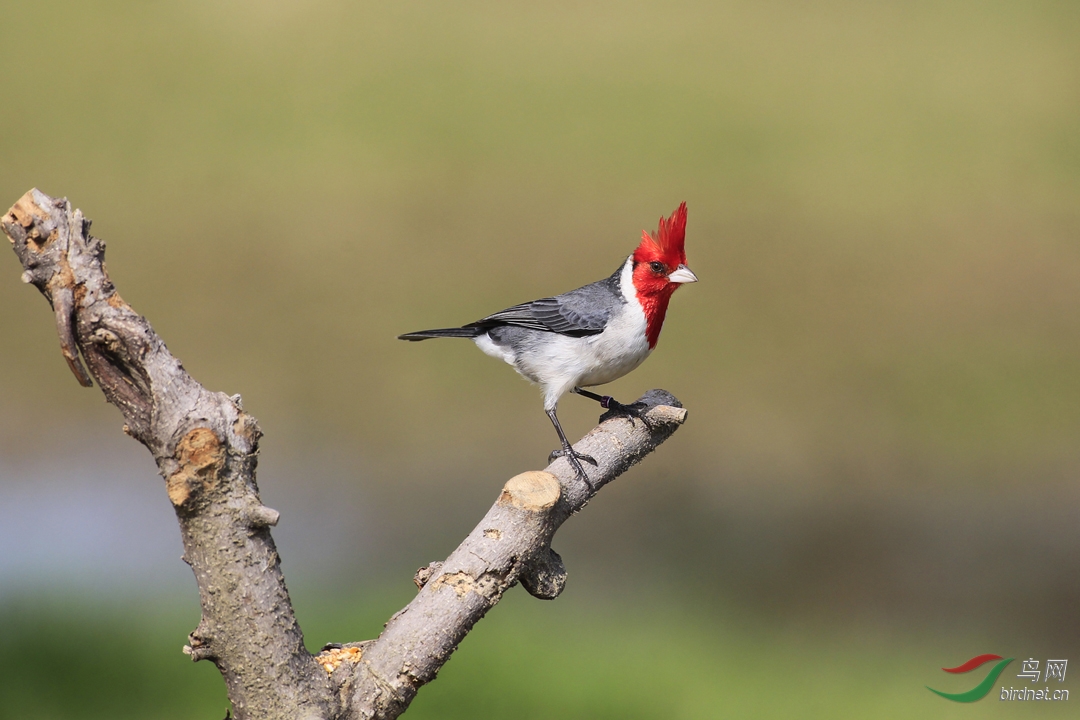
(589, 336)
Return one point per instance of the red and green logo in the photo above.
(982, 689)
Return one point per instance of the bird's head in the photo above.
(660, 268)
(660, 259)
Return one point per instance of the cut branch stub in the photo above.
(545, 577)
(66, 264)
(38, 227)
(531, 491)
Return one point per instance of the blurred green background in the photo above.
(881, 361)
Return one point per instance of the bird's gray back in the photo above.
(578, 313)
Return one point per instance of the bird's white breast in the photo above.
(623, 345)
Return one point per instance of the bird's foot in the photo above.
(633, 411)
(575, 458)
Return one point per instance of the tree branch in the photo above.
(511, 544)
(206, 448)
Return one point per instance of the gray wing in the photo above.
(578, 313)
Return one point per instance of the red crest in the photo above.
(667, 244)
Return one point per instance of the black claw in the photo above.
(575, 458)
(568, 452)
(633, 411)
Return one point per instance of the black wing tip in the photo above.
(462, 332)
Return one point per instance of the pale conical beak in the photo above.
(682, 274)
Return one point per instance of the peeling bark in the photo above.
(206, 449)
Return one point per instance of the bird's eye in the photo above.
(657, 267)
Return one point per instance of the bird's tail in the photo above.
(461, 332)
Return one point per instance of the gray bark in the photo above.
(206, 448)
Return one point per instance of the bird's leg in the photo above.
(604, 400)
(574, 458)
(614, 407)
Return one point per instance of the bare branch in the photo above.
(206, 448)
(511, 544)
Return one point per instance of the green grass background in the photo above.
(648, 658)
(881, 360)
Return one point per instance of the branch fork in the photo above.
(206, 449)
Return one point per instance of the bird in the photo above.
(589, 336)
